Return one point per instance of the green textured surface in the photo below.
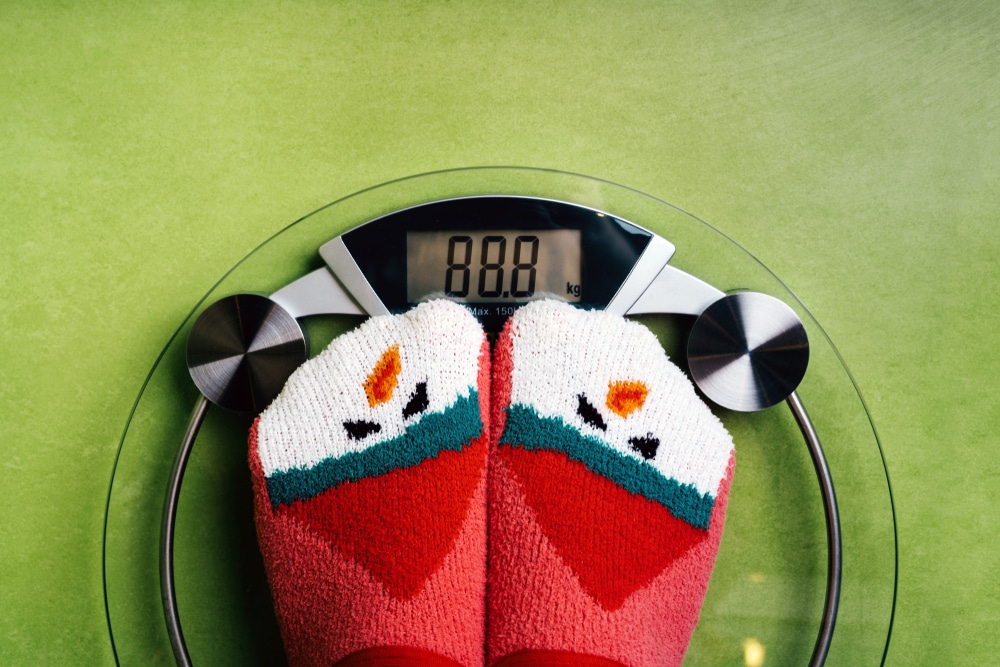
(853, 148)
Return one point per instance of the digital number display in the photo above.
(493, 265)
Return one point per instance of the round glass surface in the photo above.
(766, 595)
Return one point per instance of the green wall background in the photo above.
(853, 147)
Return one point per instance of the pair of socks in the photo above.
(421, 500)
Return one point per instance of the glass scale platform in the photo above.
(766, 595)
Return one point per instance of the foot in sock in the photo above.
(608, 485)
(369, 477)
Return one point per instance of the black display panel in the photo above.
(494, 246)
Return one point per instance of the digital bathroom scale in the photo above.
(494, 238)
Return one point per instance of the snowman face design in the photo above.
(358, 407)
(374, 449)
(609, 387)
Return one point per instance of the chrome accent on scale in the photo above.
(316, 293)
(242, 349)
(653, 259)
(748, 351)
(336, 255)
(676, 292)
(168, 592)
(834, 546)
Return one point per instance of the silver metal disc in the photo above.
(748, 351)
(242, 349)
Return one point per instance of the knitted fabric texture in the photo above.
(608, 485)
(369, 477)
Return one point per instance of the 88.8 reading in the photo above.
(493, 265)
(492, 259)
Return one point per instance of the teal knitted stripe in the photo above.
(525, 428)
(451, 429)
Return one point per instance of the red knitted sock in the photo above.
(608, 485)
(369, 476)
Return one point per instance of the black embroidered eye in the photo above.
(361, 429)
(645, 445)
(590, 413)
(418, 401)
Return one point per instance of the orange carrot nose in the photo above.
(381, 382)
(626, 396)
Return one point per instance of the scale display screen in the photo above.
(490, 252)
(494, 266)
